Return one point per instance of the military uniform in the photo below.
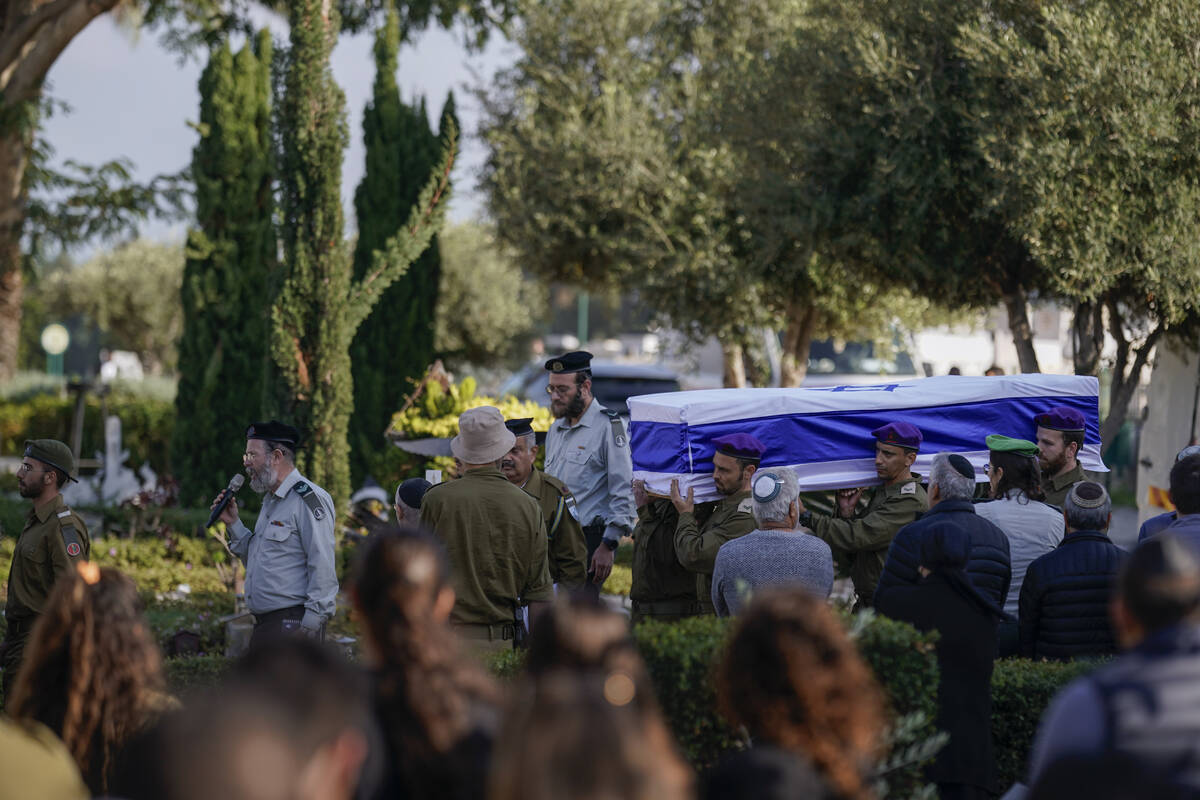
(862, 542)
(495, 538)
(696, 543)
(291, 576)
(662, 589)
(1059, 487)
(565, 547)
(53, 541)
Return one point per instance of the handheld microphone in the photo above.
(235, 483)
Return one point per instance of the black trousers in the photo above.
(13, 648)
(281, 622)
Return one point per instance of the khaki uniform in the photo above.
(35, 764)
(1058, 488)
(696, 543)
(862, 542)
(565, 549)
(495, 538)
(53, 541)
(662, 589)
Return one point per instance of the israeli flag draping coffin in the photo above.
(825, 434)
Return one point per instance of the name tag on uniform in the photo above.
(66, 513)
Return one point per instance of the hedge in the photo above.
(1021, 691)
(146, 424)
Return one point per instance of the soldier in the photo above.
(696, 544)
(662, 589)
(53, 541)
(494, 534)
(291, 581)
(861, 538)
(1059, 439)
(589, 452)
(565, 548)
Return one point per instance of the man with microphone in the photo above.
(291, 585)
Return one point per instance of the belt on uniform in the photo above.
(666, 607)
(504, 631)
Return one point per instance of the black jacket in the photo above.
(988, 565)
(1063, 610)
(966, 649)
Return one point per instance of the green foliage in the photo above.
(680, 658)
(319, 307)
(394, 344)
(506, 664)
(435, 412)
(487, 309)
(231, 253)
(1021, 691)
(146, 425)
(187, 674)
(131, 293)
(161, 564)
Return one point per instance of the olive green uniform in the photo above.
(53, 540)
(697, 543)
(565, 548)
(662, 589)
(495, 538)
(1058, 488)
(862, 542)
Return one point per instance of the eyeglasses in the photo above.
(558, 391)
(987, 468)
(248, 456)
(27, 468)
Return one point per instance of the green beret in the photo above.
(54, 453)
(1007, 444)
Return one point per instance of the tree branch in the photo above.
(27, 75)
(15, 40)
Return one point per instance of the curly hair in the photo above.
(426, 689)
(792, 677)
(94, 672)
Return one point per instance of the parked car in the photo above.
(612, 383)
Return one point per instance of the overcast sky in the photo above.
(130, 98)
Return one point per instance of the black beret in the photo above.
(519, 427)
(576, 361)
(273, 431)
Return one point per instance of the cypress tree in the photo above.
(230, 253)
(394, 345)
(320, 303)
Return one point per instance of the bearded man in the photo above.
(291, 583)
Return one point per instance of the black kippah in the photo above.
(961, 465)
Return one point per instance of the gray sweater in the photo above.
(769, 558)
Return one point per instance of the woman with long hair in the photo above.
(1017, 507)
(436, 708)
(584, 723)
(93, 673)
(791, 676)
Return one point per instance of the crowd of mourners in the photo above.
(509, 556)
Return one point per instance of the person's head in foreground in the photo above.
(1158, 587)
(793, 678)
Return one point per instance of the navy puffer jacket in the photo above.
(1064, 600)
(988, 565)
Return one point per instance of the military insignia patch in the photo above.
(73, 549)
(319, 512)
(746, 506)
(302, 488)
(556, 366)
(908, 488)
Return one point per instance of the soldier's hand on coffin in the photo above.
(684, 505)
(640, 498)
(847, 501)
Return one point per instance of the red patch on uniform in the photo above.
(73, 549)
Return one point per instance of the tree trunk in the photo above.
(1015, 302)
(734, 366)
(797, 339)
(1125, 376)
(1087, 331)
(14, 155)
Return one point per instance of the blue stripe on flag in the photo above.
(837, 435)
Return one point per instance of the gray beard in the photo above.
(262, 480)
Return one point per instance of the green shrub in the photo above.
(13, 511)
(146, 423)
(187, 674)
(1021, 691)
